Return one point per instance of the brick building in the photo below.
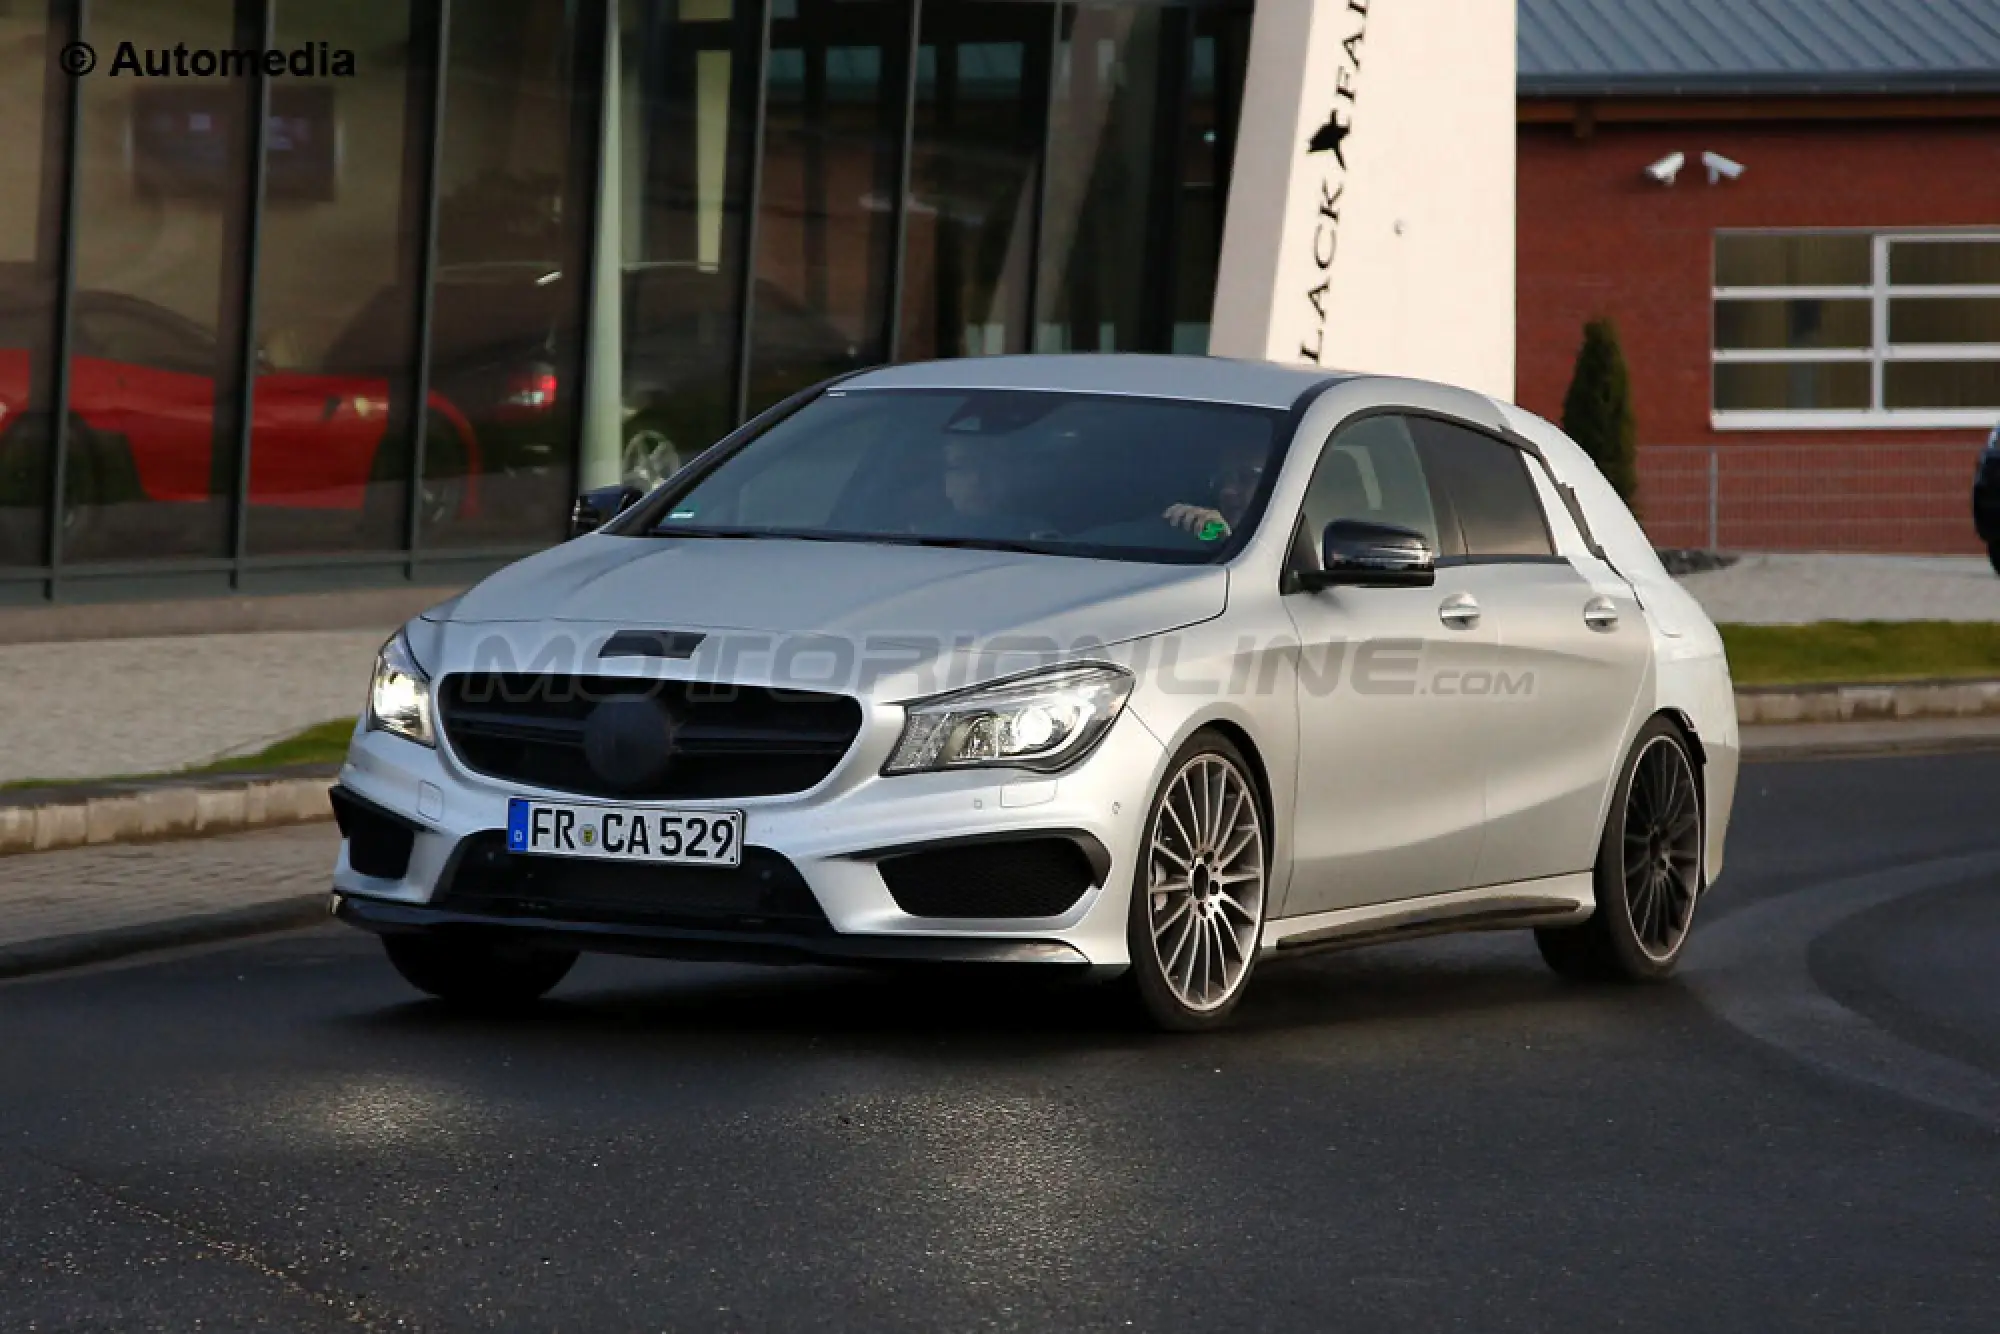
(1792, 212)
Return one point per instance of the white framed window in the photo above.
(1843, 329)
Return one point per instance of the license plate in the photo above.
(625, 833)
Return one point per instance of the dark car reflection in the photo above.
(498, 350)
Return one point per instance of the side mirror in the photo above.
(598, 507)
(1371, 555)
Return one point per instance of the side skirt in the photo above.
(1556, 900)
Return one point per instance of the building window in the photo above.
(1847, 329)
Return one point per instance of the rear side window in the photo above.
(1488, 488)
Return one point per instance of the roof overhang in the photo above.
(1586, 110)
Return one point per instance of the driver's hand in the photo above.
(1194, 518)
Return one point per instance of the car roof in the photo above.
(1260, 384)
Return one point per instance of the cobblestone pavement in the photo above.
(1790, 590)
(51, 895)
(134, 706)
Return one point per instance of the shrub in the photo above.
(1597, 410)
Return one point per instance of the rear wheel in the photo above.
(1993, 556)
(440, 492)
(478, 974)
(1648, 874)
(1198, 894)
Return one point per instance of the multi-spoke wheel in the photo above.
(1198, 896)
(1649, 870)
(648, 458)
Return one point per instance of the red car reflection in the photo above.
(142, 390)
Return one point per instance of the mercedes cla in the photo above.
(1148, 668)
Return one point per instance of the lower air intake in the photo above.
(1029, 877)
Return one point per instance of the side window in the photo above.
(1371, 471)
(1488, 487)
(122, 335)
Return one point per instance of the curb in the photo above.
(1758, 750)
(87, 947)
(1868, 703)
(47, 819)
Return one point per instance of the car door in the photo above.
(1571, 657)
(1391, 795)
(158, 377)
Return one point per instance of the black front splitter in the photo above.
(386, 917)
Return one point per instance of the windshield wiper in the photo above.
(975, 544)
(747, 534)
(885, 539)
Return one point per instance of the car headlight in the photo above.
(399, 698)
(1044, 721)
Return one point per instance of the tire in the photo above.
(478, 974)
(441, 499)
(98, 472)
(1646, 900)
(1204, 863)
(1993, 556)
(648, 454)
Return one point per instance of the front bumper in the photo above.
(1986, 499)
(826, 846)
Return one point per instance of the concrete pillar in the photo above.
(603, 394)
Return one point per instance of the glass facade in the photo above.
(379, 323)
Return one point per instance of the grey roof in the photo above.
(1594, 48)
(1204, 379)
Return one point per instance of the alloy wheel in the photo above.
(1205, 878)
(648, 459)
(1662, 849)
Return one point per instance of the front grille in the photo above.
(728, 740)
(1029, 877)
(765, 894)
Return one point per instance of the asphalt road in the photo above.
(1804, 1133)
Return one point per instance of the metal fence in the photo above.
(1888, 497)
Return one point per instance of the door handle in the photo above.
(1601, 614)
(1459, 611)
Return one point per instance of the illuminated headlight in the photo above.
(1045, 721)
(399, 698)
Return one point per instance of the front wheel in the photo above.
(1198, 895)
(478, 974)
(648, 456)
(1648, 874)
(1993, 556)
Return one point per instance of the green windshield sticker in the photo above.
(1214, 530)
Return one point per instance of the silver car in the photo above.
(1150, 668)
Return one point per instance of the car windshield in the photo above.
(1062, 473)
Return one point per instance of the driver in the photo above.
(973, 482)
(1232, 486)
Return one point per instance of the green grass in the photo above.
(322, 744)
(1769, 655)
